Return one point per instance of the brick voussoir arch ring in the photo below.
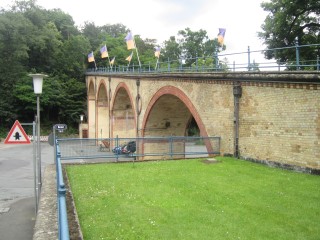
(185, 99)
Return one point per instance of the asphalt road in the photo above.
(17, 202)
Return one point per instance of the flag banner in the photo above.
(130, 41)
(104, 52)
(130, 57)
(221, 34)
(90, 57)
(157, 52)
(112, 61)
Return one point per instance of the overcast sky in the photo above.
(160, 19)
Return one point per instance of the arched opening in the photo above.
(192, 129)
(171, 113)
(91, 110)
(123, 115)
(102, 112)
(168, 117)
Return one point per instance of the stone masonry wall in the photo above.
(280, 123)
(279, 112)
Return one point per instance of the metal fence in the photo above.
(148, 148)
(246, 61)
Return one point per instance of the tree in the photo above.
(72, 57)
(63, 22)
(93, 33)
(36, 40)
(15, 34)
(192, 44)
(289, 21)
(171, 51)
(115, 30)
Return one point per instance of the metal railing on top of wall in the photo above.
(219, 62)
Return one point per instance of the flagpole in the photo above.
(109, 61)
(157, 64)
(129, 61)
(95, 64)
(128, 65)
(111, 65)
(106, 50)
(135, 46)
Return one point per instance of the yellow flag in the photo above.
(130, 41)
(104, 52)
(90, 57)
(130, 57)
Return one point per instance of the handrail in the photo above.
(63, 227)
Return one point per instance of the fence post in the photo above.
(117, 145)
(197, 62)
(216, 58)
(297, 53)
(171, 147)
(318, 63)
(248, 58)
(168, 64)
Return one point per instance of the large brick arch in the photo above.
(183, 97)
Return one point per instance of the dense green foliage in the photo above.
(36, 40)
(189, 199)
(290, 21)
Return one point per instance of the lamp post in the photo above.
(80, 130)
(37, 87)
(80, 127)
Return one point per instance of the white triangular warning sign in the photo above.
(17, 135)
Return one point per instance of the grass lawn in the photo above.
(188, 199)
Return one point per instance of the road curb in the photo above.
(46, 226)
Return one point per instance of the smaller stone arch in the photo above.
(102, 110)
(91, 93)
(123, 112)
(91, 109)
(102, 95)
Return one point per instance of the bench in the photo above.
(104, 145)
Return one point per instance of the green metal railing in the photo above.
(218, 63)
